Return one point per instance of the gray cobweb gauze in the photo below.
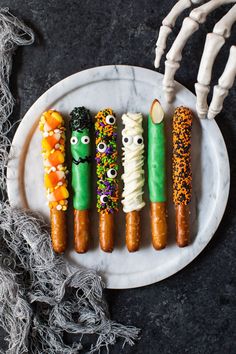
(41, 296)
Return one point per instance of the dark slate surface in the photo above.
(194, 311)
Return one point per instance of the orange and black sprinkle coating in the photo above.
(181, 159)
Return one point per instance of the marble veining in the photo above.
(126, 88)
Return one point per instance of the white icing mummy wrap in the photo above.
(133, 161)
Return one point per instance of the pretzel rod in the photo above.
(81, 124)
(133, 177)
(133, 232)
(106, 231)
(53, 151)
(157, 175)
(182, 175)
(107, 186)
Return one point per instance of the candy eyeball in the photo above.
(110, 119)
(111, 173)
(73, 140)
(85, 139)
(101, 147)
(127, 140)
(138, 140)
(104, 199)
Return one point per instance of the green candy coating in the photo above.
(81, 163)
(156, 161)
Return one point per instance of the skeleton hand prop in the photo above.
(213, 44)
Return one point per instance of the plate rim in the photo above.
(133, 69)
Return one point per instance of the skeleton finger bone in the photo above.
(213, 44)
(166, 28)
(200, 13)
(224, 26)
(167, 25)
(174, 56)
(225, 83)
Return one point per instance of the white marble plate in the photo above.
(126, 88)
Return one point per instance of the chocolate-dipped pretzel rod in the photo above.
(157, 175)
(107, 186)
(133, 177)
(181, 169)
(81, 124)
(53, 150)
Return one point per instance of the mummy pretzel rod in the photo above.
(53, 151)
(213, 44)
(81, 124)
(133, 177)
(181, 170)
(107, 185)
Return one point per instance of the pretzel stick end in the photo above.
(58, 230)
(182, 225)
(106, 231)
(81, 230)
(158, 225)
(133, 231)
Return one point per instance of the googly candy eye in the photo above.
(112, 173)
(138, 140)
(110, 119)
(73, 140)
(127, 140)
(85, 139)
(104, 199)
(101, 147)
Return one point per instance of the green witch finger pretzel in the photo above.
(157, 174)
(81, 124)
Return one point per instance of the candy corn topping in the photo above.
(53, 151)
